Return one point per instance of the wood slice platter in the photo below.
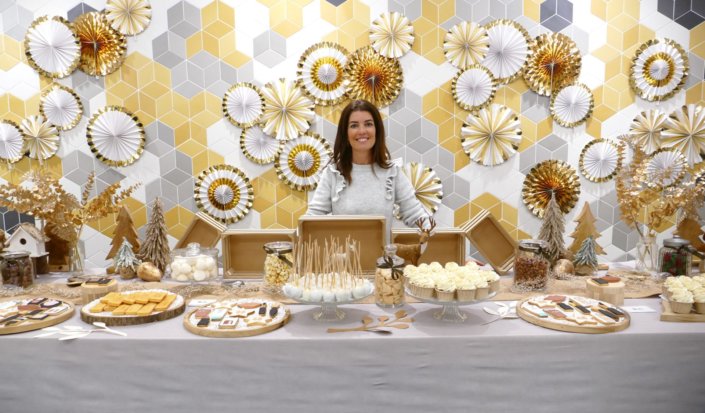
(18, 320)
(546, 311)
(110, 318)
(241, 317)
(668, 315)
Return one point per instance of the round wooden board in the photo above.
(550, 323)
(31, 325)
(177, 308)
(222, 333)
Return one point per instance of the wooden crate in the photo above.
(446, 244)
(204, 230)
(243, 255)
(368, 230)
(493, 241)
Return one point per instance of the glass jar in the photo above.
(389, 283)
(278, 264)
(531, 266)
(193, 264)
(675, 256)
(16, 269)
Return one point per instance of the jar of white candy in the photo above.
(278, 264)
(193, 264)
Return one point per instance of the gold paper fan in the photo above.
(115, 136)
(129, 17)
(224, 192)
(41, 139)
(427, 185)
(466, 44)
(243, 104)
(553, 63)
(11, 142)
(601, 160)
(509, 47)
(392, 35)
(287, 111)
(102, 47)
(373, 77)
(572, 105)
(659, 69)
(302, 160)
(551, 177)
(645, 130)
(491, 136)
(665, 167)
(322, 73)
(473, 88)
(52, 47)
(685, 131)
(259, 147)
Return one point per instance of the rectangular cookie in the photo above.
(110, 296)
(165, 303)
(121, 310)
(156, 296)
(142, 298)
(146, 309)
(98, 308)
(134, 309)
(555, 314)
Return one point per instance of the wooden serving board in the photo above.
(553, 324)
(30, 325)
(668, 315)
(213, 331)
(177, 308)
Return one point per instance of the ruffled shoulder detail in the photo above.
(391, 177)
(338, 182)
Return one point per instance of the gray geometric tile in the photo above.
(405, 116)
(183, 162)
(176, 176)
(269, 48)
(184, 19)
(515, 8)
(552, 142)
(698, 7)
(269, 58)
(421, 145)
(111, 176)
(454, 201)
(448, 24)
(556, 14)
(666, 7)
(555, 23)
(169, 193)
(15, 21)
(169, 49)
(409, 8)
(78, 10)
(498, 10)
(203, 59)
(336, 3)
(429, 130)
(188, 89)
(690, 19)
(482, 8)
(413, 131)
(195, 74)
(535, 107)
(158, 147)
(77, 176)
(167, 162)
(10, 219)
(684, 12)
(186, 190)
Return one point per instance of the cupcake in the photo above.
(445, 288)
(483, 289)
(699, 299)
(681, 301)
(493, 279)
(452, 266)
(465, 290)
(421, 286)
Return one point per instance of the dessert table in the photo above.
(503, 366)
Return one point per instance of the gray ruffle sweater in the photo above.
(373, 191)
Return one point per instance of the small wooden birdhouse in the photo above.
(28, 238)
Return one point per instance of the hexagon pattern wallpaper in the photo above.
(177, 70)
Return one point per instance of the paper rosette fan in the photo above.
(102, 47)
(665, 167)
(243, 104)
(491, 136)
(61, 107)
(645, 130)
(258, 146)
(685, 131)
(129, 17)
(551, 177)
(572, 105)
(321, 72)
(427, 185)
(601, 160)
(466, 44)
(51, 46)
(473, 88)
(554, 62)
(373, 77)
(115, 136)
(659, 69)
(287, 111)
(41, 139)
(392, 35)
(509, 46)
(224, 192)
(11, 142)
(301, 161)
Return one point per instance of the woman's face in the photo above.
(361, 131)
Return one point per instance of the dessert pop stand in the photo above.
(450, 310)
(328, 310)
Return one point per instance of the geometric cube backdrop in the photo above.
(177, 71)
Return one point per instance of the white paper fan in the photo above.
(52, 47)
(645, 130)
(115, 136)
(600, 160)
(301, 161)
(491, 136)
(509, 46)
(61, 107)
(224, 192)
(287, 111)
(41, 138)
(659, 69)
(465, 44)
(321, 73)
(572, 105)
(427, 185)
(129, 17)
(11, 142)
(243, 104)
(665, 167)
(473, 88)
(392, 35)
(258, 146)
(685, 131)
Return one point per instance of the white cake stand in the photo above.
(329, 310)
(450, 312)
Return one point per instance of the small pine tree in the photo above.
(585, 259)
(552, 229)
(124, 257)
(155, 248)
(125, 229)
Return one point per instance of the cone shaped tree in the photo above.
(124, 229)
(552, 229)
(155, 248)
(585, 228)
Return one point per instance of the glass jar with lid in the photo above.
(193, 264)
(675, 256)
(389, 283)
(531, 266)
(16, 269)
(278, 264)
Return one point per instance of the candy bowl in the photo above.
(193, 264)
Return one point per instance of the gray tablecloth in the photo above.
(506, 366)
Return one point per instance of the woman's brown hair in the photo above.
(342, 151)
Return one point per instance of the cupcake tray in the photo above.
(668, 315)
(450, 310)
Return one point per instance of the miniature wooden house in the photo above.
(27, 238)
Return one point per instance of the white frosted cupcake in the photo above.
(466, 290)
(493, 279)
(681, 301)
(699, 299)
(452, 266)
(422, 286)
(483, 289)
(445, 289)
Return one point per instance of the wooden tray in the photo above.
(204, 230)
(446, 244)
(554, 324)
(668, 315)
(30, 325)
(368, 230)
(243, 255)
(176, 308)
(492, 240)
(213, 331)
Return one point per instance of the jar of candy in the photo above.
(278, 264)
(193, 263)
(389, 283)
(675, 256)
(16, 269)
(531, 265)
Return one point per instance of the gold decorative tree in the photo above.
(552, 229)
(585, 228)
(155, 248)
(125, 229)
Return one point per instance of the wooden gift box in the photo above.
(204, 230)
(492, 240)
(445, 245)
(243, 255)
(368, 230)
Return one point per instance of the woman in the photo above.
(361, 178)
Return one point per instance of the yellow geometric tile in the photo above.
(191, 148)
(337, 15)
(205, 160)
(177, 219)
(598, 8)
(532, 10)
(286, 18)
(11, 51)
(17, 171)
(532, 133)
(236, 59)
(194, 44)
(173, 118)
(487, 201)
(219, 11)
(697, 40)
(696, 94)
